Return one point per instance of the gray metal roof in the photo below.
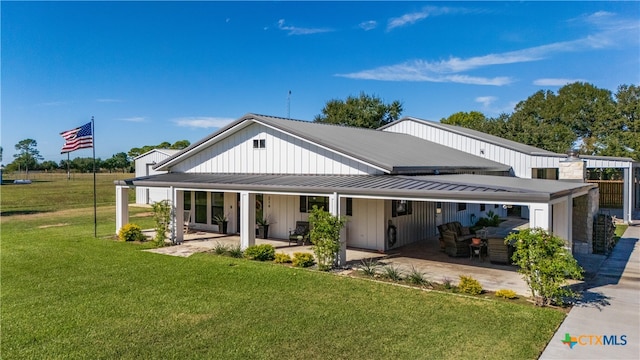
(443, 187)
(479, 135)
(393, 152)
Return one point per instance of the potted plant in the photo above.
(222, 221)
(263, 227)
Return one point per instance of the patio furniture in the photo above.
(477, 249)
(462, 232)
(455, 246)
(498, 251)
(300, 233)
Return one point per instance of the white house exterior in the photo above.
(526, 161)
(144, 164)
(278, 168)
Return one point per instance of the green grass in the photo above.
(52, 191)
(66, 294)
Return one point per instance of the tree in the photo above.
(161, 217)
(120, 161)
(471, 120)
(545, 264)
(364, 111)
(628, 108)
(325, 236)
(178, 145)
(48, 165)
(28, 154)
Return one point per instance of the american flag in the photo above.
(78, 138)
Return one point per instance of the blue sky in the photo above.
(166, 71)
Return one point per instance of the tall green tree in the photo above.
(28, 154)
(628, 108)
(363, 111)
(471, 120)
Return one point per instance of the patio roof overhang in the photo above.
(464, 187)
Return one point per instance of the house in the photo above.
(144, 164)
(276, 168)
(527, 161)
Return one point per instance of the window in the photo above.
(349, 211)
(187, 200)
(217, 205)
(462, 206)
(201, 207)
(401, 207)
(482, 207)
(307, 203)
(259, 143)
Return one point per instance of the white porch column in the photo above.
(177, 230)
(562, 220)
(247, 219)
(122, 206)
(627, 198)
(540, 216)
(338, 207)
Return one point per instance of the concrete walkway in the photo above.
(609, 312)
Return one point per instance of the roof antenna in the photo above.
(289, 105)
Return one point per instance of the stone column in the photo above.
(572, 169)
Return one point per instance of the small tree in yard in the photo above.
(325, 236)
(545, 264)
(161, 216)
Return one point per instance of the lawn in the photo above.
(66, 294)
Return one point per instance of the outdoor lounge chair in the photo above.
(301, 232)
(455, 246)
(498, 251)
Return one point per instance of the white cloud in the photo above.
(292, 30)
(412, 18)
(134, 119)
(368, 25)
(556, 82)
(486, 101)
(610, 30)
(203, 122)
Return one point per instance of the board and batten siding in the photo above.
(282, 154)
(521, 163)
(144, 167)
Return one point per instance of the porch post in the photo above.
(337, 207)
(247, 219)
(177, 230)
(122, 206)
(627, 198)
(540, 216)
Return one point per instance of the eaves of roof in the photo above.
(452, 188)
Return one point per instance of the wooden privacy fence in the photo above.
(611, 193)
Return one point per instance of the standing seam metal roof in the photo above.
(393, 152)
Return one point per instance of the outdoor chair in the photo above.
(498, 251)
(454, 246)
(301, 232)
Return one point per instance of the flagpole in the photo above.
(95, 211)
(68, 168)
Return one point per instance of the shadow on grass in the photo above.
(22, 212)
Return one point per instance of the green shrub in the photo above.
(282, 258)
(415, 277)
(235, 251)
(131, 232)
(220, 249)
(263, 252)
(161, 217)
(506, 294)
(369, 266)
(392, 273)
(469, 285)
(447, 283)
(301, 259)
(545, 264)
(325, 236)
